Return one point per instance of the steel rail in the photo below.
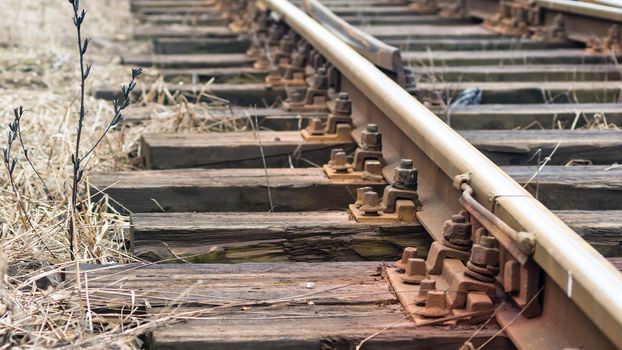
(609, 13)
(610, 3)
(382, 55)
(587, 278)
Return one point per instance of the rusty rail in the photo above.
(387, 57)
(594, 23)
(583, 275)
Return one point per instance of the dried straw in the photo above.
(38, 70)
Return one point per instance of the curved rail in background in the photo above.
(583, 275)
(598, 11)
(387, 57)
(584, 21)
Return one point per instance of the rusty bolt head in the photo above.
(320, 79)
(340, 162)
(457, 232)
(333, 152)
(415, 271)
(315, 126)
(373, 167)
(297, 96)
(405, 176)
(488, 242)
(435, 305)
(359, 195)
(262, 22)
(287, 42)
(371, 203)
(458, 219)
(343, 105)
(485, 253)
(371, 139)
(407, 253)
(304, 47)
(299, 60)
(425, 286)
(286, 45)
(275, 33)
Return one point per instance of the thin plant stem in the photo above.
(25, 151)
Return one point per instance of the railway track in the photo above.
(338, 211)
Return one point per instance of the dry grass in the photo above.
(38, 70)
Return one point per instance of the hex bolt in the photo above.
(275, 33)
(340, 162)
(297, 96)
(435, 305)
(299, 58)
(287, 43)
(262, 60)
(320, 79)
(315, 126)
(485, 253)
(373, 167)
(484, 260)
(488, 242)
(333, 152)
(371, 204)
(457, 232)
(371, 139)
(426, 285)
(405, 175)
(415, 271)
(407, 253)
(343, 105)
(359, 195)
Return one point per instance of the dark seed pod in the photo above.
(88, 71)
(85, 46)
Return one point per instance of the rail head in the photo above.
(384, 56)
(581, 272)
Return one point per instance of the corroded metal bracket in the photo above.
(400, 200)
(338, 124)
(314, 98)
(446, 294)
(513, 18)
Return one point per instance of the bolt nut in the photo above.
(315, 126)
(485, 253)
(299, 60)
(359, 195)
(426, 285)
(405, 176)
(333, 152)
(371, 204)
(435, 305)
(526, 242)
(371, 139)
(407, 253)
(457, 232)
(320, 79)
(460, 179)
(297, 96)
(373, 167)
(415, 271)
(343, 105)
(340, 162)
